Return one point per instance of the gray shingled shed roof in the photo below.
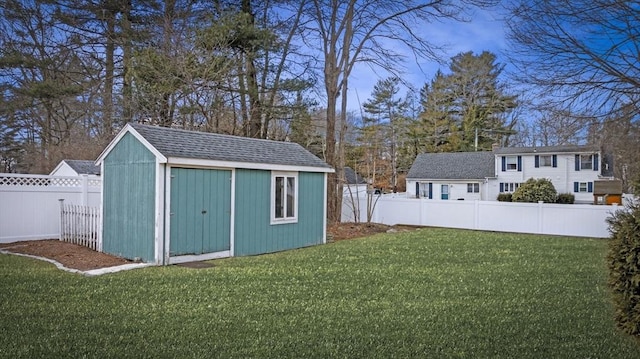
(544, 149)
(456, 165)
(211, 146)
(84, 167)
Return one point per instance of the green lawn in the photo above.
(432, 293)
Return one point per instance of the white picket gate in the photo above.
(80, 225)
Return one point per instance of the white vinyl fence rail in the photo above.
(580, 220)
(80, 225)
(30, 204)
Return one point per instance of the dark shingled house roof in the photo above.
(455, 165)
(172, 142)
(84, 167)
(351, 177)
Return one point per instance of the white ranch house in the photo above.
(484, 175)
(354, 184)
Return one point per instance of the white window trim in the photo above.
(510, 187)
(540, 161)
(506, 164)
(272, 202)
(443, 192)
(582, 163)
(581, 189)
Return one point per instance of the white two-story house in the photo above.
(571, 169)
(484, 175)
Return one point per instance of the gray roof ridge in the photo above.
(203, 133)
(552, 148)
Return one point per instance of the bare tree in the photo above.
(619, 139)
(583, 53)
(350, 31)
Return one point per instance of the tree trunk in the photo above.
(127, 52)
(109, 67)
(332, 178)
(255, 110)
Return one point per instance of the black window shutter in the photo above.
(504, 163)
(501, 187)
(590, 187)
(417, 189)
(554, 158)
(537, 161)
(577, 162)
(519, 163)
(595, 162)
(430, 190)
(576, 187)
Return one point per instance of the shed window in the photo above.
(284, 198)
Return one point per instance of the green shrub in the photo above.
(624, 267)
(535, 190)
(504, 197)
(566, 198)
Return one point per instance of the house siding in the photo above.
(254, 233)
(64, 171)
(457, 189)
(562, 176)
(129, 200)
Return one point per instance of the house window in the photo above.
(444, 191)
(426, 190)
(583, 187)
(284, 198)
(546, 161)
(586, 162)
(511, 163)
(508, 187)
(473, 187)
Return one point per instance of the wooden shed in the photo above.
(172, 196)
(607, 192)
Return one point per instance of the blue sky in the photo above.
(484, 32)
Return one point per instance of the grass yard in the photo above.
(430, 293)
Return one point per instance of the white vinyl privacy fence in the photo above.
(581, 220)
(30, 204)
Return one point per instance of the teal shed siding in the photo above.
(129, 200)
(254, 234)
